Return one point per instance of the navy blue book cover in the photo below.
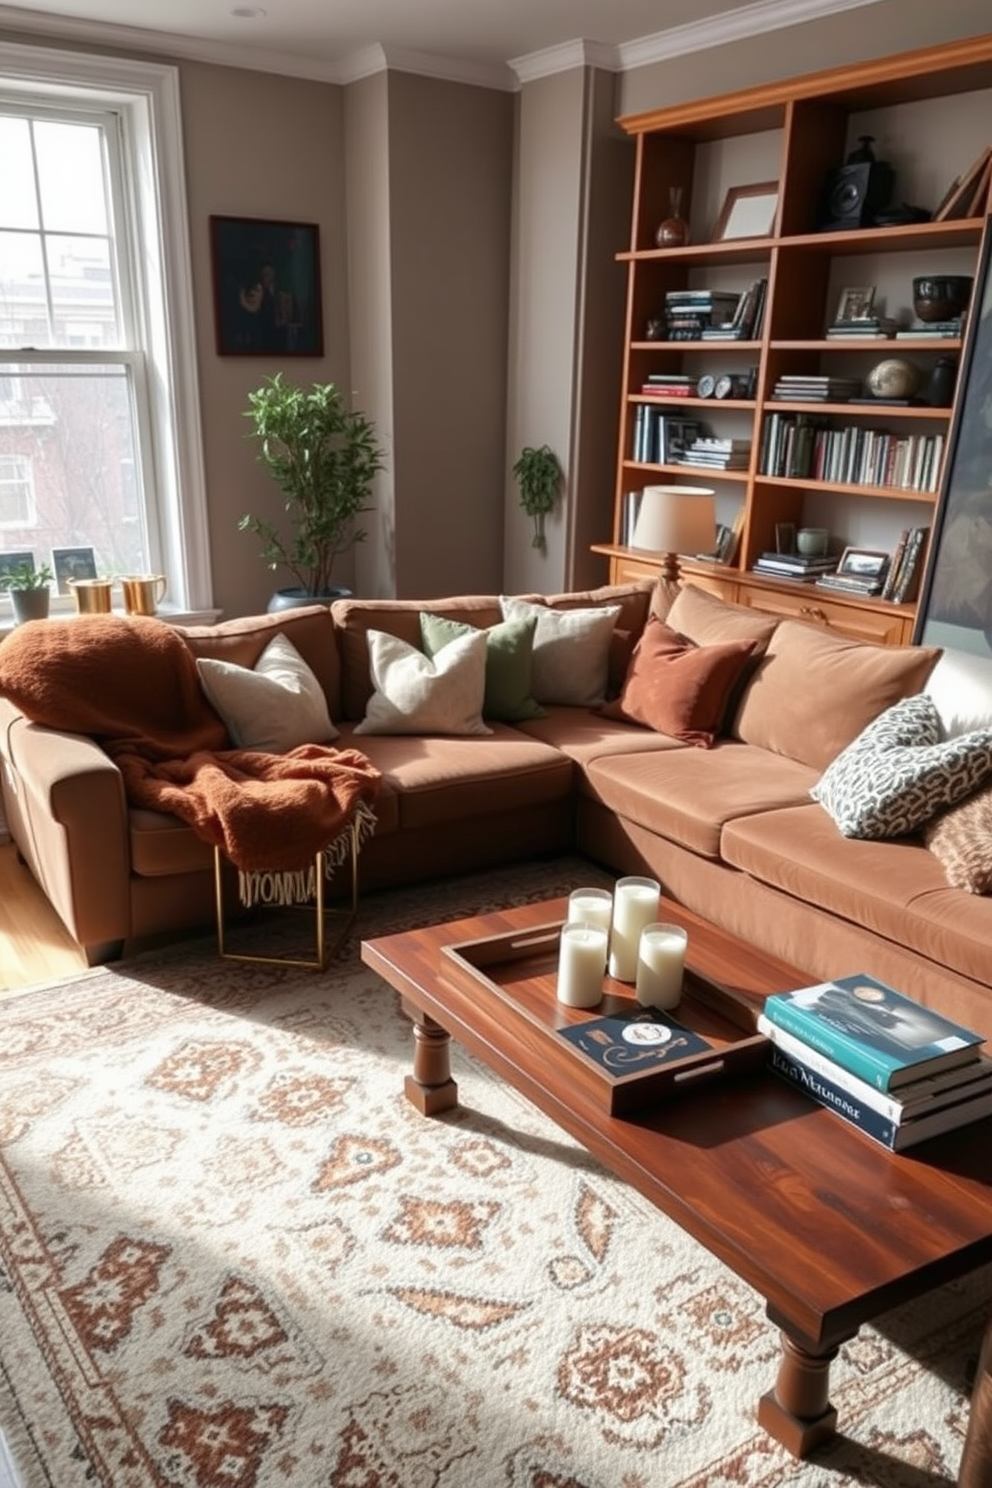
(646, 1039)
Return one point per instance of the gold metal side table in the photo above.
(343, 919)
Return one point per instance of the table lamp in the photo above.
(673, 520)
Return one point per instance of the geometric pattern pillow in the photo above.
(897, 773)
(962, 841)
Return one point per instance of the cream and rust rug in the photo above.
(233, 1256)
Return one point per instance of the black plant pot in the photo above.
(294, 599)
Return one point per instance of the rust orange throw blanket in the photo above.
(132, 684)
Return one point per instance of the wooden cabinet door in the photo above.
(857, 622)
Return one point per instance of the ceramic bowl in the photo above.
(941, 296)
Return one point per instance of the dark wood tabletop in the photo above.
(830, 1227)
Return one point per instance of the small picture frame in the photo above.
(785, 537)
(863, 563)
(266, 280)
(747, 212)
(72, 563)
(11, 562)
(856, 303)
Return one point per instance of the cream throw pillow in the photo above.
(571, 651)
(273, 708)
(418, 694)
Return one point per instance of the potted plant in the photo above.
(29, 591)
(539, 477)
(323, 456)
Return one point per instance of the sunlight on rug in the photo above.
(231, 1253)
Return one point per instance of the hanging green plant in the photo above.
(539, 477)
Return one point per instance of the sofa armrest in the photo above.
(66, 811)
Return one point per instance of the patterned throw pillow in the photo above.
(897, 774)
(961, 839)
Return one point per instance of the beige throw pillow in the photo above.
(571, 651)
(273, 708)
(418, 694)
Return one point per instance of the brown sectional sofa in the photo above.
(731, 831)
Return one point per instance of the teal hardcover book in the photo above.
(873, 1030)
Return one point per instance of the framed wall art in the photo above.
(266, 279)
(955, 606)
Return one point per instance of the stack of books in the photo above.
(668, 385)
(934, 330)
(865, 584)
(811, 388)
(689, 312)
(865, 328)
(802, 566)
(896, 1070)
(717, 454)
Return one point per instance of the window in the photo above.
(99, 415)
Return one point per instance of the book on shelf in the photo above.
(936, 330)
(916, 1099)
(642, 1040)
(965, 192)
(868, 328)
(791, 576)
(864, 584)
(804, 563)
(896, 1136)
(888, 587)
(667, 390)
(873, 1030)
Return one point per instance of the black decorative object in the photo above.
(955, 608)
(858, 191)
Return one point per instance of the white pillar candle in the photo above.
(581, 959)
(591, 907)
(660, 965)
(635, 904)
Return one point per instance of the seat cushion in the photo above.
(896, 889)
(438, 780)
(687, 795)
(585, 733)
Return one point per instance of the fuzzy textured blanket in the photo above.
(132, 685)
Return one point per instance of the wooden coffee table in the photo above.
(828, 1227)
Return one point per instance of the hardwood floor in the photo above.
(34, 944)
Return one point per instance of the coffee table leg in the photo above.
(797, 1412)
(430, 1088)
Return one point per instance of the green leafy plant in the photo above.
(539, 477)
(323, 456)
(26, 577)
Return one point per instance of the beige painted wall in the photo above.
(258, 145)
(450, 160)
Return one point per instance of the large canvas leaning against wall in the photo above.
(955, 608)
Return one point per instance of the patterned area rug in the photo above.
(233, 1256)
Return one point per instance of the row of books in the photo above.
(802, 446)
(746, 321)
(884, 1063)
(903, 577)
(660, 438)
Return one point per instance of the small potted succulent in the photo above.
(539, 477)
(29, 591)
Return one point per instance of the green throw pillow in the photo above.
(509, 648)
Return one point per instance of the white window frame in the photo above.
(146, 95)
(25, 479)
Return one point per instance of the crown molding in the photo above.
(564, 58)
(736, 25)
(695, 36)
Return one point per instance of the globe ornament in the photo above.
(893, 378)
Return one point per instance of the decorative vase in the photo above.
(674, 231)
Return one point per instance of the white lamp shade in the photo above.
(676, 519)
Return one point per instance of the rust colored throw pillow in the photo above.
(676, 687)
(961, 840)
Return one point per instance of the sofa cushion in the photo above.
(418, 694)
(686, 795)
(273, 706)
(894, 889)
(460, 777)
(310, 628)
(813, 692)
(708, 620)
(676, 687)
(509, 662)
(961, 841)
(637, 599)
(571, 650)
(897, 773)
(960, 687)
(584, 734)
(353, 618)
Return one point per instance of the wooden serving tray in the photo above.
(521, 969)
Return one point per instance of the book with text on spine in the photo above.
(918, 1099)
(873, 1030)
(896, 1137)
